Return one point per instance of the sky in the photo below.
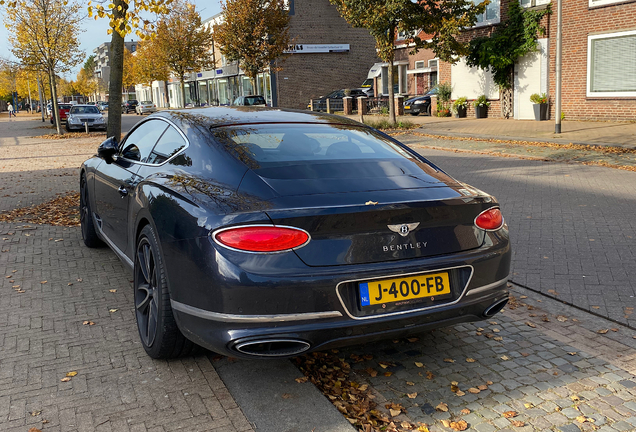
(94, 31)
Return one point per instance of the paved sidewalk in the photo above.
(622, 134)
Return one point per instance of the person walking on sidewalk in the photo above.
(11, 111)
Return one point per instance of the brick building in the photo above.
(327, 54)
(598, 62)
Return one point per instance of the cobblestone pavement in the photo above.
(572, 227)
(50, 285)
(549, 366)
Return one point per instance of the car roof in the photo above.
(227, 116)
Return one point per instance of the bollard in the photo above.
(362, 107)
(86, 126)
(347, 105)
(311, 104)
(328, 106)
(433, 107)
(399, 105)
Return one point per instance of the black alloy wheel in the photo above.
(160, 336)
(89, 234)
(428, 110)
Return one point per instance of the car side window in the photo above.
(139, 143)
(170, 143)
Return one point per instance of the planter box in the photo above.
(461, 112)
(540, 111)
(481, 112)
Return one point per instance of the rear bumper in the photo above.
(223, 337)
(222, 303)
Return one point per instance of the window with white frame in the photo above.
(604, 2)
(419, 64)
(533, 3)
(491, 16)
(402, 35)
(611, 65)
(433, 64)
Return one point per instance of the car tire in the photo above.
(160, 336)
(89, 233)
(428, 110)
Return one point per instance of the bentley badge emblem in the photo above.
(403, 229)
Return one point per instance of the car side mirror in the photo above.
(107, 149)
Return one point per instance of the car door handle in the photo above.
(122, 191)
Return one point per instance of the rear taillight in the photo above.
(490, 219)
(262, 238)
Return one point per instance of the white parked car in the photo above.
(144, 107)
(78, 115)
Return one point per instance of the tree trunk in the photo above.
(116, 76)
(54, 106)
(183, 98)
(391, 93)
(41, 100)
(254, 89)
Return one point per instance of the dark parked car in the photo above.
(253, 100)
(320, 104)
(419, 104)
(260, 232)
(63, 109)
(129, 106)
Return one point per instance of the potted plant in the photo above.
(540, 106)
(460, 106)
(481, 105)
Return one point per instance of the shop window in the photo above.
(611, 61)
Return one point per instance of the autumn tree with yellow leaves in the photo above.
(254, 33)
(185, 45)
(150, 65)
(45, 37)
(125, 17)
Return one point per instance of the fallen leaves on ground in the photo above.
(460, 425)
(71, 135)
(88, 323)
(517, 423)
(411, 395)
(470, 360)
(602, 331)
(449, 360)
(302, 379)
(332, 376)
(465, 411)
(442, 407)
(529, 324)
(418, 364)
(561, 318)
(510, 414)
(60, 211)
(429, 375)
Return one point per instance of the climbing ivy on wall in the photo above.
(513, 38)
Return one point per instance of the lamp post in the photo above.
(557, 93)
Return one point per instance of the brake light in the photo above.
(265, 238)
(490, 220)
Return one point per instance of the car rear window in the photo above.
(254, 100)
(282, 143)
(64, 106)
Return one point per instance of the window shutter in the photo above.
(613, 67)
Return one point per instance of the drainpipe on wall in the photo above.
(557, 96)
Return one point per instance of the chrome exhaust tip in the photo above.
(272, 347)
(495, 308)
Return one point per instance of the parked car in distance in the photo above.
(259, 233)
(129, 105)
(145, 107)
(419, 104)
(63, 108)
(49, 109)
(320, 104)
(81, 114)
(103, 106)
(251, 100)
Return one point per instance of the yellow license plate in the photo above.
(406, 288)
(407, 107)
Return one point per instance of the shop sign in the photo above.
(316, 48)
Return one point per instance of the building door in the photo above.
(531, 76)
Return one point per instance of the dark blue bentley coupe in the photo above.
(260, 232)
